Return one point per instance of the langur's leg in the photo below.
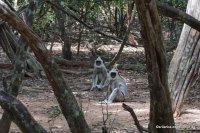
(113, 95)
(120, 97)
(104, 82)
(100, 82)
(100, 86)
(94, 82)
(116, 96)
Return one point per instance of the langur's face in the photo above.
(113, 74)
(98, 62)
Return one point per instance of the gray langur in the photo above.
(117, 89)
(99, 74)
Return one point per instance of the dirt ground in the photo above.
(38, 97)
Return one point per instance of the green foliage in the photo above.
(19, 2)
(180, 4)
(54, 111)
(185, 131)
(44, 17)
(117, 3)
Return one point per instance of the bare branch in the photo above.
(123, 42)
(179, 15)
(130, 110)
(69, 13)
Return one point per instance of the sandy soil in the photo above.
(38, 97)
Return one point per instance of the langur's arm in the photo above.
(123, 90)
(106, 83)
(93, 80)
(113, 95)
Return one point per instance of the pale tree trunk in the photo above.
(184, 67)
(160, 105)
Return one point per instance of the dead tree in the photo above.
(63, 93)
(184, 66)
(160, 105)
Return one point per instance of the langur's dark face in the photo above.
(98, 62)
(113, 74)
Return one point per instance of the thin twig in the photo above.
(117, 56)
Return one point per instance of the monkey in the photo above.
(117, 89)
(99, 74)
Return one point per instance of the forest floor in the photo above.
(38, 97)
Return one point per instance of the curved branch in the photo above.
(179, 15)
(131, 111)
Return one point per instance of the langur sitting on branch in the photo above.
(99, 74)
(117, 89)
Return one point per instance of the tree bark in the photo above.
(184, 66)
(61, 17)
(15, 84)
(19, 66)
(64, 95)
(160, 105)
(19, 114)
(178, 15)
(7, 42)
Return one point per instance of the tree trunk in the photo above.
(184, 67)
(7, 42)
(61, 17)
(160, 105)
(19, 114)
(19, 66)
(63, 93)
(15, 84)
